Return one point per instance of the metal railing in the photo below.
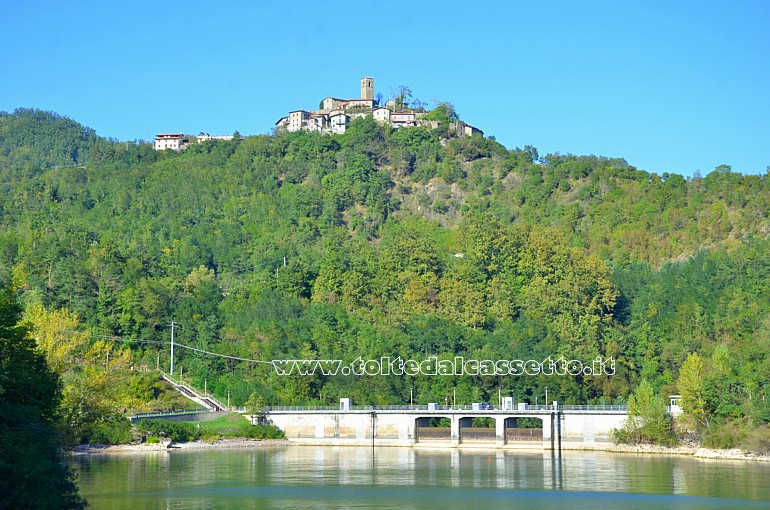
(623, 408)
(445, 408)
(155, 414)
(203, 396)
(404, 409)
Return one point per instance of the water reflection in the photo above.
(405, 478)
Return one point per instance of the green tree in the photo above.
(443, 113)
(403, 97)
(32, 474)
(647, 420)
(255, 406)
(690, 385)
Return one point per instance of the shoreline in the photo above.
(696, 452)
(219, 444)
(227, 444)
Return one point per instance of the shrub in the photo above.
(116, 430)
(230, 426)
(729, 434)
(169, 429)
(758, 440)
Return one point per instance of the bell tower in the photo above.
(367, 88)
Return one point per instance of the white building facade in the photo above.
(173, 141)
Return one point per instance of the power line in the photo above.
(234, 285)
(176, 344)
(116, 338)
(59, 167)
(172, 347)
(255, 266)
(223, 355)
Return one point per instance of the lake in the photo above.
(411, 478)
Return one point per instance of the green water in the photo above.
(406, 478)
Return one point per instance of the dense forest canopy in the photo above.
(387, 242)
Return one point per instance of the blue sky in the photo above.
(671, 86)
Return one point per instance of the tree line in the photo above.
(384, 242)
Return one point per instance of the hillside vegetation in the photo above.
(388, 242)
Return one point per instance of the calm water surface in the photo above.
(406, 478)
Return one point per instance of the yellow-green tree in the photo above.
(690, 385)
(94, 374)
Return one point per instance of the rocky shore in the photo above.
(731, 454)
(694, 451)
(220, 444)
(223, 444)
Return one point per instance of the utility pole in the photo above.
(172, 348)
(278, 267)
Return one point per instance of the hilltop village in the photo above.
(334, 115)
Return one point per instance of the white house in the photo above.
(298, 119)
(403, 119)
(317, 122)
(173, 141)
(338, 122)
(381, 114)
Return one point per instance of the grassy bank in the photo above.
(231, 426)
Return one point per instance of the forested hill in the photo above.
(388, 242)
(31, 140)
